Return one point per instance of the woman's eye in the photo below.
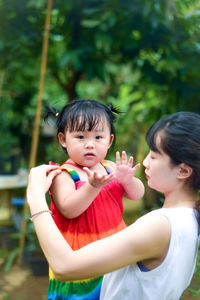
(80, 137)
(98, 137)
(153, 156)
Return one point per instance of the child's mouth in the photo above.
(89, 155)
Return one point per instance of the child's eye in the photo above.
(98, 137)
(80, 137)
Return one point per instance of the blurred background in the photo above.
(142, 56)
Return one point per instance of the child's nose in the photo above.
(90, 144)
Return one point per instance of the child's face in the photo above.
(87, 148)
(160, 173)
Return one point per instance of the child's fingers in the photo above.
(103, 179)
(118, 159)
(136, 167)
(124, 157)
(98, 176)
(110, 177)
(87, 171)
(130, 162)
(107, 179)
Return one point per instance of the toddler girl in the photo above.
(86, 201)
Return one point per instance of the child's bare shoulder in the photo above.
(62, 177)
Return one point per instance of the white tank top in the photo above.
(169, 280)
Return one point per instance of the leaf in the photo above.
(90, 23)
(10, 260)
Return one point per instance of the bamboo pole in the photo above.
(36, 127)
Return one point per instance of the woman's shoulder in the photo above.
(154, 223)
(154, 217)
(150, 232)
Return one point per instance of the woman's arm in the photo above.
(145, 239)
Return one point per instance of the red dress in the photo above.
(102, 218)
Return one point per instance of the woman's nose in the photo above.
(145, 162)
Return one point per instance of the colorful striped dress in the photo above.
(102, 218)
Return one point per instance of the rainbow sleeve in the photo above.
(73, 173)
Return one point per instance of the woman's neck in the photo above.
(181, 198)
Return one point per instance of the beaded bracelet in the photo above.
(33, 216)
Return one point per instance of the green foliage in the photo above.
(196, 291)
(10, 260)
(140, 55)
(7, 141)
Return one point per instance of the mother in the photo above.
(155, 257)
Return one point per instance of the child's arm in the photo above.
(124, 173)
(72, 202)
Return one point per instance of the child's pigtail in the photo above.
(114, 111)
(50, 112)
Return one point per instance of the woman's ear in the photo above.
(61, 139)
(184, 171)
(111, 140)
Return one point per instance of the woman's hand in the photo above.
(40, 178)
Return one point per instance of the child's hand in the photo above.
(124, 170)
(98, 180)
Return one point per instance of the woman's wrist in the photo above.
(41, 212)
(37, 202)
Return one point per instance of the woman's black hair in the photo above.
(81, 115)
(180, 140)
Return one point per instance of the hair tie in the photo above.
(113, 109)
(57, 114)
(110, 107)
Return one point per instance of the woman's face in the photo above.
(160, 173)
